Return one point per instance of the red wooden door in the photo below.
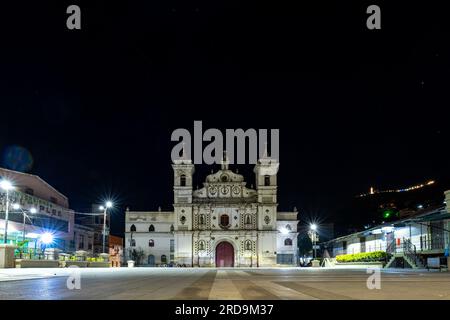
(224, 255)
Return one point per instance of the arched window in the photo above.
(151, 228)
(288, 242)
(267, 180)
(202, 219)
(183, 180)
(224, 220)
(164, 259)
(133, 228)
(248, 219)
(201, 245)
(172, 228)
(248, 245)
(151, 243)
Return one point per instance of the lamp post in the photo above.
(17, 206)
(107, 205)
(313, 228)
(6, 185)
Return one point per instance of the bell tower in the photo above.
(266, 170)
(183, 170)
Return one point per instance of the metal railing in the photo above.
(409, 250)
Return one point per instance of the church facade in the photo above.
(222, 224)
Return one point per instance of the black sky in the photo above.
(355, 107)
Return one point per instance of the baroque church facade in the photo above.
(222, 224)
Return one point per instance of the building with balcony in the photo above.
(409, 241)
(43, 210)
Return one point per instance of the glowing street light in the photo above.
(47, 238)
(16, 206)
(313, 230)
(108, 204)
(7, 186)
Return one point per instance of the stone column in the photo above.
(81, 255)
(52, 253)
(7, 259)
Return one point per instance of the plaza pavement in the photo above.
(210, 283)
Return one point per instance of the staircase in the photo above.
(408, 255)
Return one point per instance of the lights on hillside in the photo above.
(373, 191)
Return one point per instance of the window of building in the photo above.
(288, 242)
(248, 219)
(151, 228)
(132, 243)
(224, 220)
(172, 229)
(163, 259)
(183, 180)
(267, 180)
(133, 228)
(151, 243)
(248, 245)
(202, 219)
(201, 245)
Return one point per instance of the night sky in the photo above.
(95, 107)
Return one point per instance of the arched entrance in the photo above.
(224, 254)
(151, 260)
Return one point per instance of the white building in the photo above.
(51, 212)
(420, 236)
(223, 224)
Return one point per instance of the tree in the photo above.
(136, 255)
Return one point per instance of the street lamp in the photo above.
(32, 210)
(6, 185)
(47, 238)
(107, 205)
(313, 229)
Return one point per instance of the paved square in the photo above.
(187, 284)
